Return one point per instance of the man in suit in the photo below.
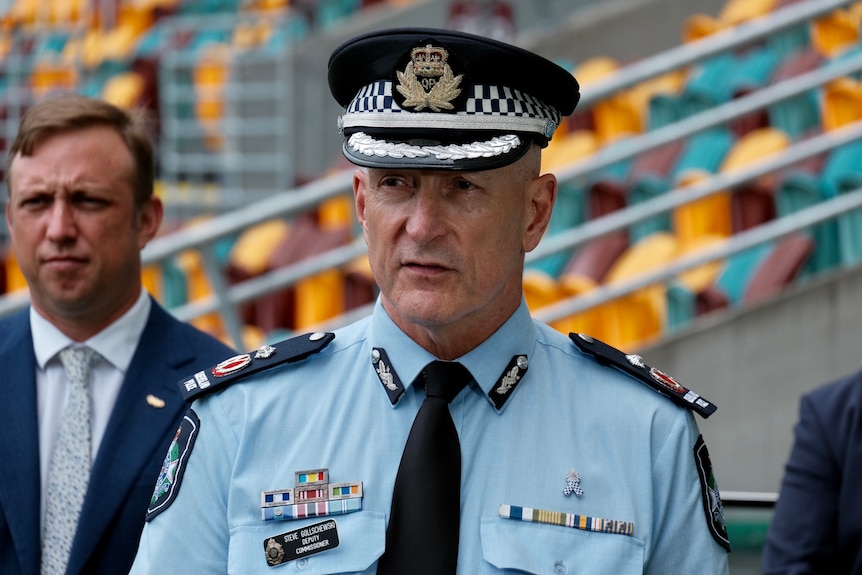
(817, 526)
(82, 446)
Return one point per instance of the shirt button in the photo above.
(560, 567)
(302, 563)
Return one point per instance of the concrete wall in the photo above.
(755, 365)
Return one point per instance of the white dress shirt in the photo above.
(116, 344)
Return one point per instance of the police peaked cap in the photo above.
(440, 99)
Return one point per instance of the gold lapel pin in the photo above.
(156, 402)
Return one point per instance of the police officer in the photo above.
(313, 455)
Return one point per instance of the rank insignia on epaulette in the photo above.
(508, 380)
(232, 369)
(634, 365)
(387, 376)
(311, 496)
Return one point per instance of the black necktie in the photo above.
(422, 537)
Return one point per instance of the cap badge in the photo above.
(428, 81)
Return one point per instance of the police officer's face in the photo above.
(76, 232)
(447, 248)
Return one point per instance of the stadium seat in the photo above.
(682, 291)
(639, 317)
(727, 289)
(616, 116)
(569, 211)
(803, 189)
(359, 285)
(753, 203)
(649, 178)
(780, 268)
(842, 103)
(209, 77)
(124, 90)
(704, 217)
(752, 71)
(842, 172)
(592, 262)
(540, 289)
(14, 278)
(585, 271)
(569, 148)
(732, 13)
(800, 114)
(709, 84)
(834, 33)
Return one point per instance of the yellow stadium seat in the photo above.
(198, 285)
(618, 115)
(319, 298)
(568, 148)
(755, 146)
(124, 90)
(835, 33)
(151, 279)
(336, 213)
(14, 278)
(49, 76)
(540, 289)
(707, 216)
(588, 321)
(842, 103)
(254, 247)
(210, 77)
(250, 34)
(637, 318)
(699, 278)
(734, 12)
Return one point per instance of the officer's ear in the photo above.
(541, 196)
(360, 187)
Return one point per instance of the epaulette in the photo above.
(634, 365)
(245, 364)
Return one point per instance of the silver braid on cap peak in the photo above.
(364, 144)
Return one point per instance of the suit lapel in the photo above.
(136, 429)
(19, 451)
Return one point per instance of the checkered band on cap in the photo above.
(495, 108)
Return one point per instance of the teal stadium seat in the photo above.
(705, 151)
(841, 174)
(650, 177)
(800, 114)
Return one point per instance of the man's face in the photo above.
(75, 231)
(447, 248)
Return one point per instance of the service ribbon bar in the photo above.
(305, 510)
(567, 520)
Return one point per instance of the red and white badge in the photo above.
(666, 380)
(232, 365)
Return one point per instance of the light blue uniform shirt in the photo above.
(632, 448)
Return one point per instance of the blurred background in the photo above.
(710, 207)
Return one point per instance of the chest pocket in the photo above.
(361, 541)
(553, 550)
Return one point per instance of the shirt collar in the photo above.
(116, 343)
(487, 362)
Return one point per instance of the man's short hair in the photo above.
(71, 112)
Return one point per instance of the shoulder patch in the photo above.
(712, 505)
(171, 474)
(634, 365)
(245, 364)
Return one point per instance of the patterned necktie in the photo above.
(70, 465)
(422, 537)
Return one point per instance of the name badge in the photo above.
(301, 543)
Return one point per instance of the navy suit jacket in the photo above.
(129, 458)
(817, 526)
